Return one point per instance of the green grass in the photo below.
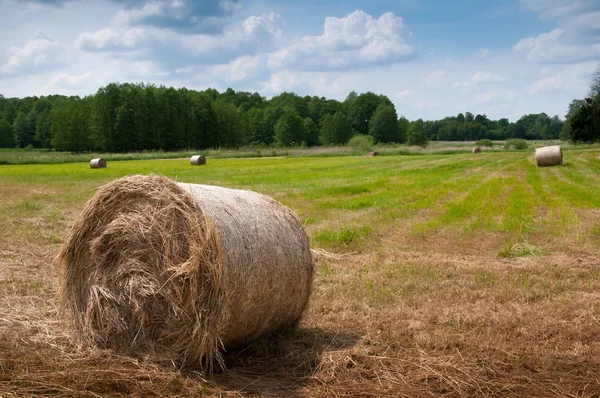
(350, 202)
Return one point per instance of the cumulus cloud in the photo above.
(354, 41)
(572, 76)
(41, 53)
(480, 78)
(239, 69)
(254, 34)
(575, 38)
(561, 9)
(435, 77)
(557, 46)
(483, 53)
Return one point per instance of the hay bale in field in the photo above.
(197, 160)
(174, 272)
(548, 156)
(98, 163)
(371, 154)
(476, 150)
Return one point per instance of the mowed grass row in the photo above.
(352, 203)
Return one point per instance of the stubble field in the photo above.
(457, 275)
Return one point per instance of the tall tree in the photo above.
(7, 139)
(24, 128)
(403, 125)
(289, 130)
(335, 129)
(42, 129)
(311, 132)
(383, 126)
(417, 134)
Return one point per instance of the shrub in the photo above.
(516, 143)
(361, 143)
(485, 142)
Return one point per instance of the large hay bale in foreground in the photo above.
(476, 150)
(98, 163)
(174, 272)
(197, 160)
(548, 156)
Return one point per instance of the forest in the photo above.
(124, 117)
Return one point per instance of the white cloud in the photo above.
(66, 80)
(403, 93)
(435, 77)
(560, 9)
(557, 46)
(40, 53)
(254, 34)
(239, 69)
(576, 37)
(480, 78)
(354, 41)
(425, 104)
(483, 53)
(495, 95)
(572, 76)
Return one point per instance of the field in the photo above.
(436, 274)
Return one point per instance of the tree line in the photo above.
(123, 117)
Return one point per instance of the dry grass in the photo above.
(402, 314)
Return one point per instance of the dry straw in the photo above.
(98, 163)
(476, 150)
(548, 156)
(174, 272)
(197, 160)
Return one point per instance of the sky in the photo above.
(432, 58)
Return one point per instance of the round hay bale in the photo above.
(371, 154)
(548, 156)
(197, 160)
(98, 163)
(476, 150)
(174, 272)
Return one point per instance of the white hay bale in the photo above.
(549, 156)
(98, 163)
(197, 160)
(476, 150)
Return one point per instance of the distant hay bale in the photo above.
(197, 160)
(548, 156)
(371, 154)
(476, 150)
(98, 163)
(174, 272)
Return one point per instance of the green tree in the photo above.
(311, 132)
(24, 129)
(417, 134)
(7, 139)
(289, 129)
(335, 129)
(403, 125)
(585, 124)
(42, 129)
(228, 124)
(383, 126)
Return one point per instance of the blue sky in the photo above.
(432, 58)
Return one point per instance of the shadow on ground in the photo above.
(279, 365)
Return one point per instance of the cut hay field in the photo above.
(436, 275)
